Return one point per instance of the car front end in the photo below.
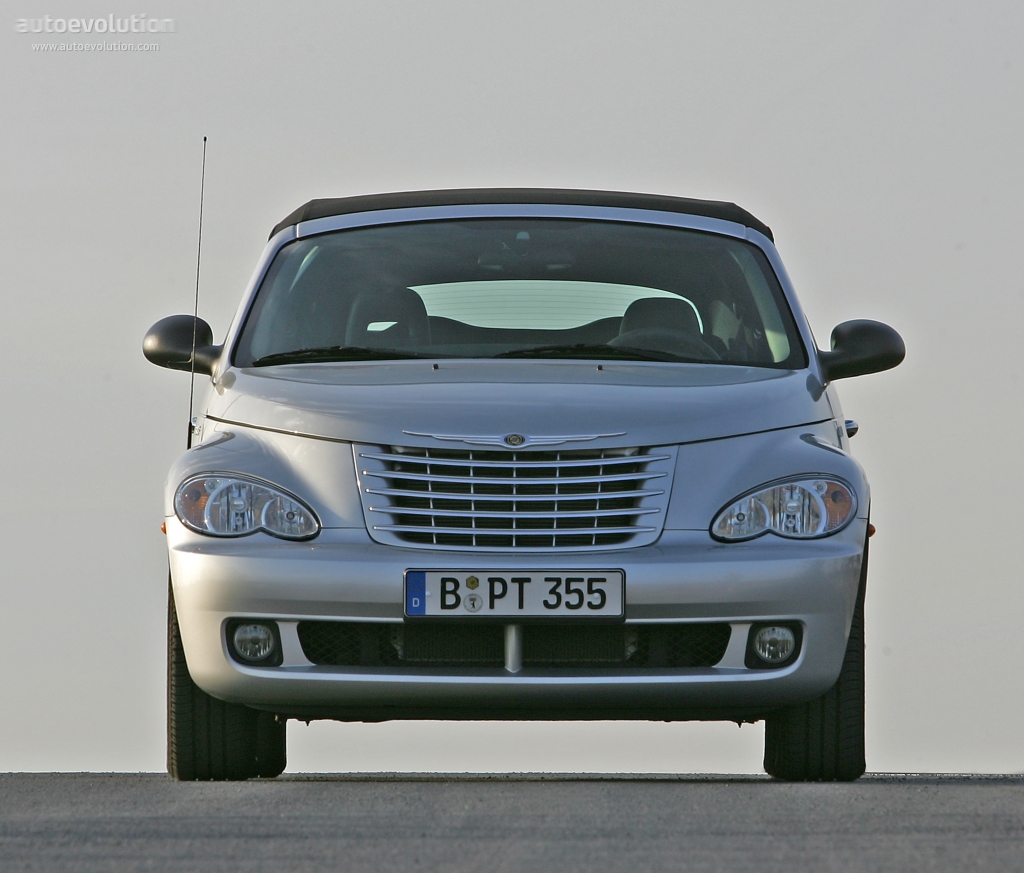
(518, 460)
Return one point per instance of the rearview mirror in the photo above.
(168, 343)
(860, 347)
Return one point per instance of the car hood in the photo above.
(408, 402)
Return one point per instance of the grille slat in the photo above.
(413, 528)
(538, 500)
(476, 513)
(520, 464)
(558, 480)
(520, 498)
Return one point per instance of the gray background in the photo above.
(881, 142)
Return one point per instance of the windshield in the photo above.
(536, 288)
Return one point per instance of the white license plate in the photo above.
(514, 593)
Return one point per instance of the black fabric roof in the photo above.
(477, 196)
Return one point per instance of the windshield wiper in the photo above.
(334, 354)
(337, 354)
(595, 350)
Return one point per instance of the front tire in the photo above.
(823, 740)
(209, 739)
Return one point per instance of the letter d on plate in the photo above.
(415, 593)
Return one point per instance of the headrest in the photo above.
(403, 306)
(664, 313)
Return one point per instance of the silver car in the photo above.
(517, 454)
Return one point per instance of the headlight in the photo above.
(223, 505)
(801, 508)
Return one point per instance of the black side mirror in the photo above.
(860, 347)
(168, 343)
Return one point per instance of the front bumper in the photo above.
(684, 577)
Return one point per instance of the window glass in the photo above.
(544, 304)
(521, 287)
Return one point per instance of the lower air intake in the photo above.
(648, 646)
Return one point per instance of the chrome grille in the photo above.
(532, 499)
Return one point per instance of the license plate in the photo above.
(514, 593)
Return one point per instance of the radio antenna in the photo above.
(195, 310)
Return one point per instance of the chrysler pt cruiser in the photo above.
(517, 454)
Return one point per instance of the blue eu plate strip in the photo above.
(415, 593)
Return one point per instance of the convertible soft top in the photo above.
(480, 196)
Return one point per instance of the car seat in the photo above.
(402, 308)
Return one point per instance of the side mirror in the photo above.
(861, 347)
(168, 343)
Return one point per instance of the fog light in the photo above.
(254, 642)
(774, 644)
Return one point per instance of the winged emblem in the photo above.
(513, 440)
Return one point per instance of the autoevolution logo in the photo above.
(109, 24)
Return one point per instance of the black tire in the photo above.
(823, 740)
(208, 739)
(271, 745)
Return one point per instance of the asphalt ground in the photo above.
(128, 822)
